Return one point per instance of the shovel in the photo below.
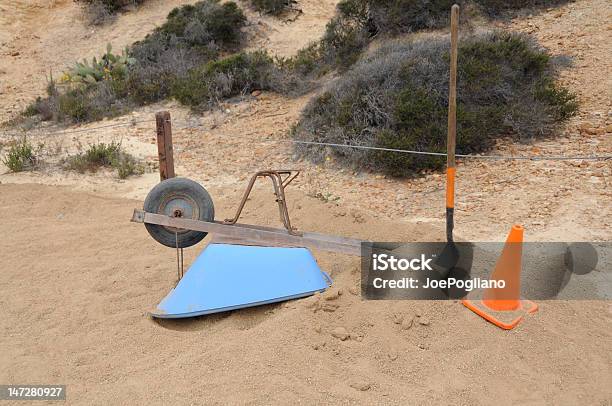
(455, 260)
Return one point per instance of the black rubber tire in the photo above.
(187, 195)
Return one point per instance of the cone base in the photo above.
(503, 319)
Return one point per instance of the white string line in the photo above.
(441, 154)
(498, 157)
(81, 130)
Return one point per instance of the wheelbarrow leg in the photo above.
(279, 185)
(279, 191)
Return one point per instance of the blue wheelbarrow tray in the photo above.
(227, 277)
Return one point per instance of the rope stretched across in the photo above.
(498, 157)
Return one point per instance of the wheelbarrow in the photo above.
(244, 265)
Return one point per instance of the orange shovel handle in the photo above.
(450, 188)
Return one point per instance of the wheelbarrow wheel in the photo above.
(179, 197)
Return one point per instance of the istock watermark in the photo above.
(438, 270)
(382, 262)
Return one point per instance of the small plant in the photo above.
(127, 166)
(109, 66)
(325, 197)
(72, 105)
(32, 108)
(87, 102)
(44, 108)
(104, 155)
(21, 156)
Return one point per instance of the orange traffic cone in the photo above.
(502, 306)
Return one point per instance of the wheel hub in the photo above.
(180, 206)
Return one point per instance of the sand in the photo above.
(78, 278)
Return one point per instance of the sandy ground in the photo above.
(89, 275)
(79, 277)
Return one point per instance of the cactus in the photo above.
(109, 66)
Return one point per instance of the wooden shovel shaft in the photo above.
(452, 126)
(452, 95)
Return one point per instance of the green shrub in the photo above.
(357, 22)
(398, 98)
(403, 16)
(204, 22)
(90, 103)
(21, 156)
(562, 102)
(274, 7)
(342, 43)
(306, 61)
(72, 105)
(104, 155)
(192, 35)
(40, 107)
(232, 76)
(96, 156)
